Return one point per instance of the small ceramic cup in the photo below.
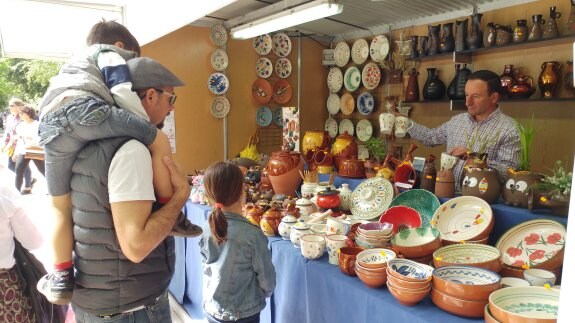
(346, 259)
(337, 226)
(448, 161)
(312, 246)
(401, 124)
(334, 242)
(386, 122)
(539, 277)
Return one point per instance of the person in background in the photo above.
(484, 117)
(12, 120)
(14, 223)
(238, 271)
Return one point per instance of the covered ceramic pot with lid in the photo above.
(328, 199)
(315, 139)
(298, 230)
(285, 226)
(343, 147)
(351, 168)
(305, 206)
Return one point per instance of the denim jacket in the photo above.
(238, 274)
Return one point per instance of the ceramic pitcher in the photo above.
(550, 29)
(549, 79)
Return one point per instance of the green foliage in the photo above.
(526, 134)
(483, 141)
(558, 185)
(376, 148)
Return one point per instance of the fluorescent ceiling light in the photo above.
(295, 16)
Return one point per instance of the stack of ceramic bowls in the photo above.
(371, 265)
(468, 254)
(408, 281)
(417, 244)
(524, 304)
(373, 235)
(462, 290)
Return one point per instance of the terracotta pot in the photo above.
(352, 168)
(344, 147)
(315, 139)
(282, 162)
(287, 183)
(253, 213)
(270, 221)
(482, 183)
(549, 79)
(445, 183)
(476, 160)
(521, 87)
(516, 190)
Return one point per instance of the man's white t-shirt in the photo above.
(130, 177)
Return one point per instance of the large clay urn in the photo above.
(434, 88)
(314, 139)
(482, 183)
(517, 189)
(270, 221)
(284, 172)
(344, 147)
(549, 79)
(456, 88)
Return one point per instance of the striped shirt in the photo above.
(502, 155)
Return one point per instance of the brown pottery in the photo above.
(482, 183)
(344, 147)
(517, 189)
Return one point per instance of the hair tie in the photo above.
(218, 205)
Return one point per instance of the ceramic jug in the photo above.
(482, 183)
(282, 162)
(521, 87)
(504, 34)
(445, 184)
(433, 44)
(345, 196)
(423, 46)
(315, 139)
(536, 30)
(412, 90)
(570, 25)
(413, 53)
(490, 35)
(253, 213)
(446, 41)
(460, 35)
(270, 221)
(550, 29)
(520, 32)
(507, 77)
(434, 88)
(549, 79)
(429, 174)
(475, 37)
(456, 89)
(343, 147)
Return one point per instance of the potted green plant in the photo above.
(477, 157)
(377, 151)
(555, 190)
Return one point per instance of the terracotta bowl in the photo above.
(416, 242)
(407, 284)
(468, 254)
(409, 270)
(406, 296)
(370, 271)
(488, 316)
(463, 218)
(373, 281)
(479, 241)
(346, 259)
(467, 283)
(375, 258)
(525, 304)
(458, 306)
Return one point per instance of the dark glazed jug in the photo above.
(522, 87)
(460, 35)
(507, 77)
(412, 90)
(423, 45)
(520, 32)
(550, 30)
(549, 78)
(537, 30)
(456, 89)
(447, 41)
(413, 53)
(434, 88)
(490, 35)
(475, 38)
(433, 43)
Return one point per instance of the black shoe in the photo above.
(185, 228)
(57, 286)
(26, 191)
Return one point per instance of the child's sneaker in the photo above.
(57, 286)
(185, 228)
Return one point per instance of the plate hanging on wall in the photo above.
(360, 51)
(334, 79)
(283, 68)
(278, 116)
(363, 130)
(219, 34)
(262, 44)
(262, 91)
(333, 103)
(219, 60)
(331, 127)
(352, 79)
(365, 103)
(264, 116)
(342, 53)
(370, 76)
(282, 91)
(281, 44)
(379, 48)
(346, 104)
(264, 67)
(220, 107)
(345, 125)
(218, 83)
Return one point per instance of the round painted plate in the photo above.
(283, 67)
(401, 217)
(264, 67)
(219, 35)
(362, 152)
(360, 51)
(334, 80)
(262, 44)
(278, 116)
(331, 127)
(219, 60)
(346, 125)
(264, 116)
(365, 103)
(379, 48)
(282, 91)
(370, 76)
(371, 198)
(218, 83)
(341, 54)
(424, 202)
(363, 130)
(281, 44)
(333, 103)
(532, 242)
(220, 107)
(262, 91)
(346, 104)
(462, 218)
(352, 78)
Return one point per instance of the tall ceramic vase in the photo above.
(475, 36)
(456, 89)
(433, 43)
(412, 89)
(447, 40)
(434, 88)
(549, 79)
(461, 35)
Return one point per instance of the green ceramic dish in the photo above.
(422, 201)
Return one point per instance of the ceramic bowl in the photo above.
(346, 259)
(407, 297)
(402, 217)
(420, 200)
(376, 229)
(467, 283)
(488, 316)
(468, 254)
(416, 242)
(360, 242)
(479, 241)
(370, 271)
(525, 304)
(463, 218)
(375, 258)
(373, 281)
(539, 277)
(513, 282)
(312, 246)
(458, 306)
(407, 284)
(409, 270)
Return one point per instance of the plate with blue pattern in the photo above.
(365, 103)
(218, 83)
(278, 116)
(264, 116)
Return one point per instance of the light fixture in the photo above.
(294, 16)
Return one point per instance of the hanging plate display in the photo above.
(333, 103)
(360, 51)
(262, 91)
(262, 44)
(365, 103)
(346, 104)
(379, 48)
(282, 91)
(220, 107)
(219, 35)
(283, 68)
(281, 44)
(363, 130)
(264, 116)
(219, 60)
(331, 127)
(218, 83)
(264, 67)
(346, 125)
(352, 79)
(342, 53)
(278, 116)
(370, 76)
(334, 79)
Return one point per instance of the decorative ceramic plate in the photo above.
(365, 103)
(371, 198)
(281, 44)
(282, 91)
(424, 202)
(219, 60)
(532, 242)
(262, 44)
(410, 268)
(462, 218)
(278, 116)
(346, 125)
(467, 254)
(363, 130)
(346, 104)
(334, 79)
(525, 304)
(219, 35)
(218, 83)
(262, 91)
(360, 51)
(370, 76)
(362, 152)
(283, 67)
(331, 127)
(220, 107)
(379, 48)
(333, 103)
(352, 79)
(401, 217)
(264, 67)
(342, 54)
(264, 116)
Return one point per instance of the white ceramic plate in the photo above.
(283, 68)
(281, 45)
(365, 103)
(333, 103)
(334, 80)
(342, 53)
(379, 48)
(346, 125)
(262, 44)
(331, 127)
(219, 60)
(264, 67)
(462, 218)
(371, 198)
(220, 107)
(264, 116)
(219, 35)
(360, 51)
(352, 78)
(362, 152)
(347, 104)
(218, 83)
(363, 129)
(370, 76)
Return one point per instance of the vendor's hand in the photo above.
(179, 180)
(458, 151)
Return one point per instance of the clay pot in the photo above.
(482, 183)
(447, 40)
(520, 32)
(328, 199)
(521, 88)
(550, 29)
(287, 183)
(282, 162)
(315, 139)
(429, 175)
(445, 183)
(270, 221)
(537, 30)
(504, 35)
(344, 147)
(434, 88)
(253, 213)
(412, 90)
(508, 77)
(351, 168)
(490, 35)
(456, 88)
(475, 37)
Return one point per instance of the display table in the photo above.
(314, 290)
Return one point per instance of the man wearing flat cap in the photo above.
(123, 255)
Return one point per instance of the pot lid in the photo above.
(289, 219)
(301, 226)
(328, 192)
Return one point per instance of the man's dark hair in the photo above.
(110, 32)
(493, 81)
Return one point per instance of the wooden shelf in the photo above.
(460, 104)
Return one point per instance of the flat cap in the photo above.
(148, 73)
